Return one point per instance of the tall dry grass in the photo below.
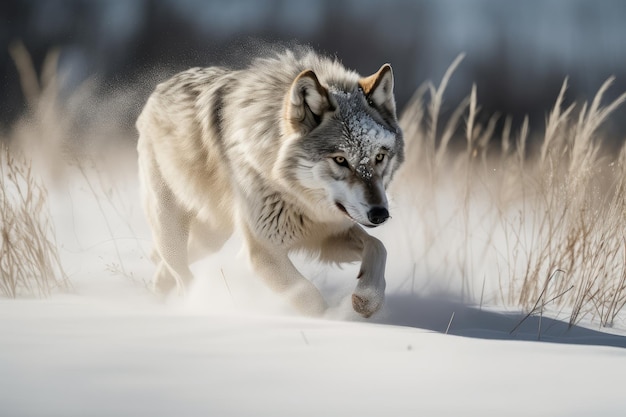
(548, 220)
(29, 259)
(54, 145)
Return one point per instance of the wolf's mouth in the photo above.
(345, 212)
(342, 209)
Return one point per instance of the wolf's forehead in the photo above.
(362, 134)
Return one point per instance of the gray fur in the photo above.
(292, 150)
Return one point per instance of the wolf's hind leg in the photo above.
(171, 233)
(205, 239)
(170, 230)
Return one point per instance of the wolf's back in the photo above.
(179, 106)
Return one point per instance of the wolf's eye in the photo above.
(340, 160)
(380, 158)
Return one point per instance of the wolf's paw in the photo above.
(367, 303)
(164, 287)
(308, 301)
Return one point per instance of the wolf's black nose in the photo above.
(378, 215)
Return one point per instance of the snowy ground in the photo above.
(231, 348)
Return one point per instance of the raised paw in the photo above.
(366, 306)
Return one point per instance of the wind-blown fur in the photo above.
(295, 150)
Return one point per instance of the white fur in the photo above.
(220, 149)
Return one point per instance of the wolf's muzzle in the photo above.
(378, 215)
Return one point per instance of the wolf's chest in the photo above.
(280, 221)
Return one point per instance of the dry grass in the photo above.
(502, 209)
(29, 260)
(44, 143)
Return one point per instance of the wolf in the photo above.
(294, 150)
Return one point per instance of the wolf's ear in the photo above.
(378, 89)
(308, 100)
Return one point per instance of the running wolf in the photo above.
(295, 151)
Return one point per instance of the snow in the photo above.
(232, 348)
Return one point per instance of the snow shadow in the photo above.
(443, 315)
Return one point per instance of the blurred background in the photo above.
(517, 52)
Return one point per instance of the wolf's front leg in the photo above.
(274, 266)
(356, 244)
(369, 294)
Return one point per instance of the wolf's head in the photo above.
(345, 142)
